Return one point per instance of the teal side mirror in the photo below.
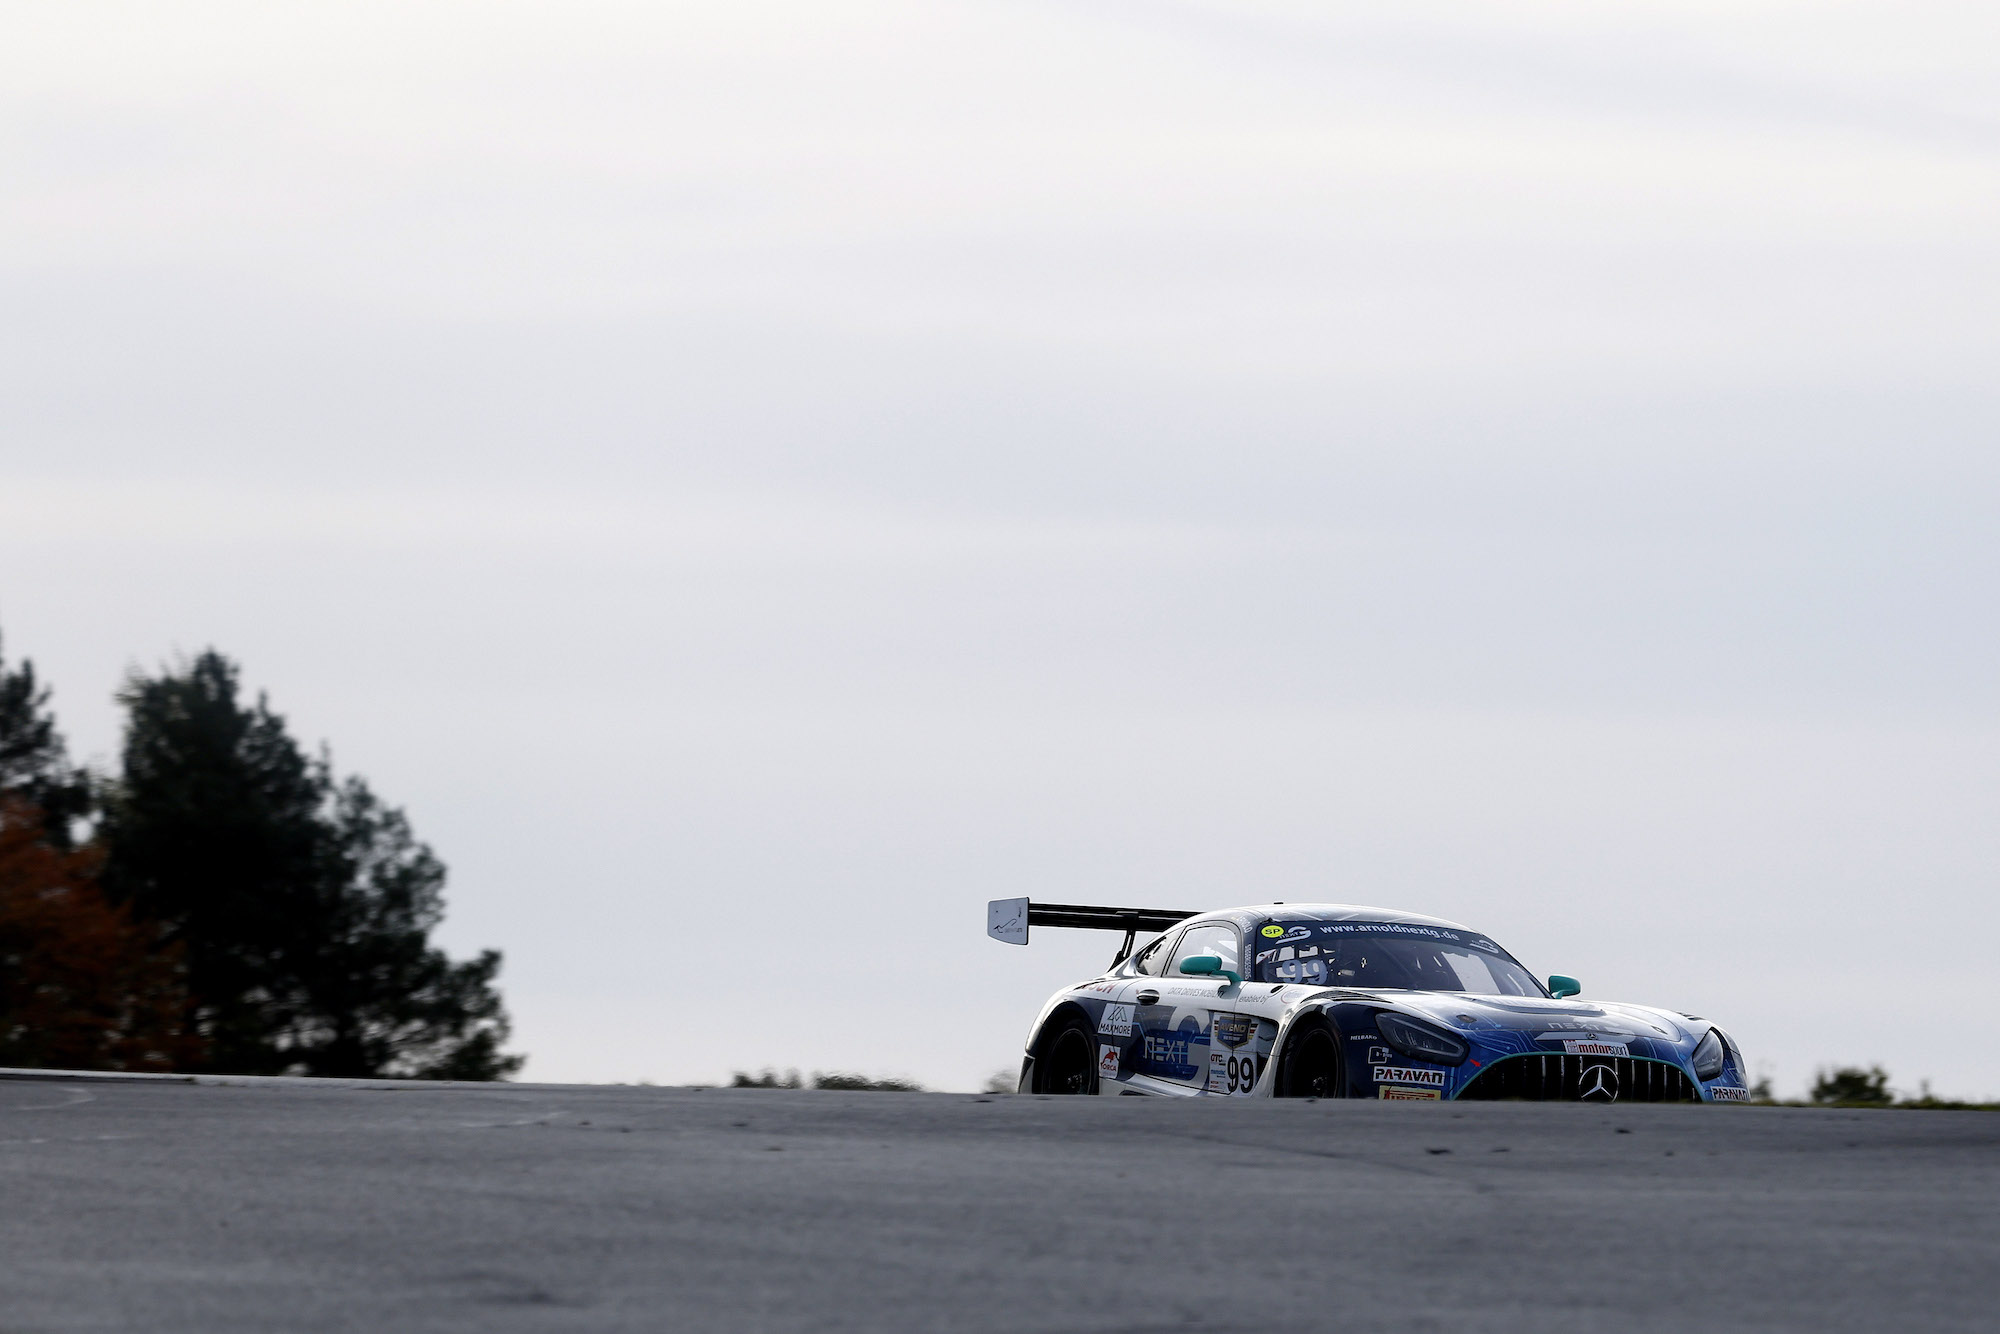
(1560, 986)
(1210, 965)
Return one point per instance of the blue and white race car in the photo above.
(1334, 1001)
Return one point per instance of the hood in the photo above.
(1554, 1021)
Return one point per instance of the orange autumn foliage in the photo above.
(82, 986)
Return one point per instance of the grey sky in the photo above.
(746, 476)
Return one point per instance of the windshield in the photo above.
(1398, 956)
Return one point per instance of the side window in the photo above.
(1220, 940)
(1151, 961)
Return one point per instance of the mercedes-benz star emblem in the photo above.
(1597, 1083)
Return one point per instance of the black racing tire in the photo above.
(1067, 1062)
(1311, 1065)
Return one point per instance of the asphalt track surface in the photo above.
(295, 1205)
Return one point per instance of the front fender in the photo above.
(1353, 1021)
(1267, 1083)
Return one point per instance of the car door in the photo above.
(1120, 1036)
(1239, 1037)
(1175, 1012)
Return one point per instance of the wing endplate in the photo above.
(1009, 919)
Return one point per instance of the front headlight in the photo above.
(1710, 1055)
(1420, 1041)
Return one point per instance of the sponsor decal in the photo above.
(1364, 1037)
(1594, 1047)
(1404, 1074)
(1598, 1031)
(1724, 1093)
(1233, 1030)
(1379, 1056)
(1107, 1062)
(1272, 932)
(1391, 929)
(1409, 1095)
(1099, 987)
(1117, 1021)
(1171, 1055)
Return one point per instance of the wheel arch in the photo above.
(1061, 1010)
(1055, 1014)
(1267, 1085)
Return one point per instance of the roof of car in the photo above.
(1325, 912)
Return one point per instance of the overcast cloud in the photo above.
(757, 480)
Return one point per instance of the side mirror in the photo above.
(1208, 964)
(1560, 986)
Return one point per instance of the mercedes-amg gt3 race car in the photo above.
(1332, 1001)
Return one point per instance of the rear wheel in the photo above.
(1311, 1065)
(1068, 1063)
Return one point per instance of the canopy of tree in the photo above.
(1851, 1086)
(237, 907)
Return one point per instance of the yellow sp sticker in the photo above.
(1274, 932)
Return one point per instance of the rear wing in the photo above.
(1008, 920)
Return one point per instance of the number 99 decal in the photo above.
(1231, 1073)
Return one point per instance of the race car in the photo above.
(1336, 1001)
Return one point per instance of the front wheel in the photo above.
(1068, 1063)
(1310, 1066)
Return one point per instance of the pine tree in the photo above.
(212, 831)
(34, 766)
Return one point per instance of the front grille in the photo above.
(1556, 1078)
